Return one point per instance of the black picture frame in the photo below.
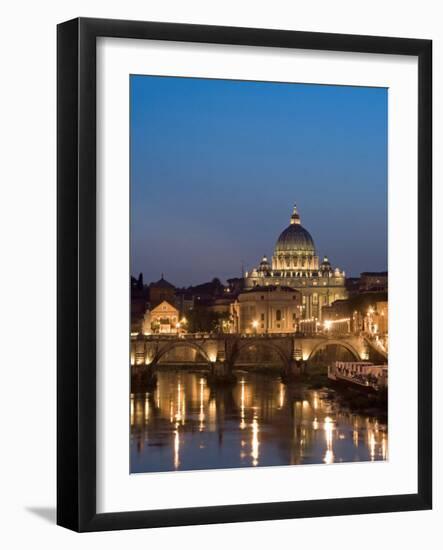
(76, 281)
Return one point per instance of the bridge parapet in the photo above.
(223, 348)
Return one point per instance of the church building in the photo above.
(295, 264)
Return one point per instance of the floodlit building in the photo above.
(295, 264)
(162, 319)
(160, 291)
(373, 281)
(267, 309)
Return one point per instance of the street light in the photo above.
(255, 325)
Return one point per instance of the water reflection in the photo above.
(185, 425)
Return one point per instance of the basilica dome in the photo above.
(295, 238)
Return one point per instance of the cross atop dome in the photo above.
(295, 218)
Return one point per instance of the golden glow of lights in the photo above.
(315, 401)
(281, 396)
(329, 428)
(176, 447)
(178, 414)
(371, 444)
(255, 442)
(327, 325)
(201, 415)
(254, 323)
(384, 447)
(189, 395)
(242, 404)
(212, 414)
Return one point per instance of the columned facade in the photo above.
(295, 264)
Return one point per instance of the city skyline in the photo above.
(217, 165)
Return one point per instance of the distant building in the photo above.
(337, 318)
(267, 309)
(162, 319)
(295, 264)
(235, 285)
(366, 312)
(160, 291)
(352, 285)
(206, 293)
(376, 324)
(184, 301)
(373, 281)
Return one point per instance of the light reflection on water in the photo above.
(184, 425)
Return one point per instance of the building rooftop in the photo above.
(162, 283)
(270, 288)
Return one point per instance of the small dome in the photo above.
(295, 238)
(326, 262)
(265, 266)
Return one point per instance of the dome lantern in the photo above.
(295, 218)
(295, 248)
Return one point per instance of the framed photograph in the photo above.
(244, 274)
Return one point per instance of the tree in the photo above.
(140, 281)
(201, 319)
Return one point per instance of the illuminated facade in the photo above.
(295, 264)
(163, 319)
(267, 309)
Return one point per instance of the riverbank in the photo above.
(349, 396)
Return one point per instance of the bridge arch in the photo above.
(284, 355)
(326, 343)
(180, 344)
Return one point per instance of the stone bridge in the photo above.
(222, 353)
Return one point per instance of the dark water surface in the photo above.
(184, 425)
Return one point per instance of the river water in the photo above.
(184, 425)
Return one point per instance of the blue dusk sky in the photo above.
(216, 166)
